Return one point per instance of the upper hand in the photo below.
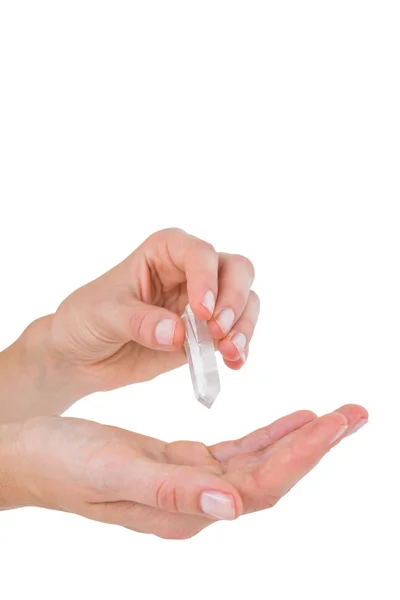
(125, 326)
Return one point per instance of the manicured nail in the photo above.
(165, 332)
(218, 505)
(239, 339)
(338, 434)
(357, 426)
(244, 357)
(209, 302)
(226, 319)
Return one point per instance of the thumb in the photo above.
(177, 489)
(154, 327)
(128, 319)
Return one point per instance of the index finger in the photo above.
(287, 461)
(261, 438)
(198, 262)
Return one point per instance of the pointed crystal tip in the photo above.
(200, 352)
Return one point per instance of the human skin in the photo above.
(124, 328)
(170, 490)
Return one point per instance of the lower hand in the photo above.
(171, 490)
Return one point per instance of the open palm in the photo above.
(171, 490)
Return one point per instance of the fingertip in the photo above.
(229, 350)
(357, 416)
(355, 410)
(320, 433)
(235, 365)
(224, 321)
(203, 304)
(202, 312)
(207, 304)
(354, 414)
(169, 333)
(222, 503)
(340, 419)
(215, 330)
(306, 415)
(237, 500)
(179, 335)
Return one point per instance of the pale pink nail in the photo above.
(226, 319)
(209, 302)
(239, 339)
(218, 505)
(357, 426)
(338, 434)
(165, 332)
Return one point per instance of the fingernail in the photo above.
(209, 302)
(244, 357)
(357, 426)
(226, 319)
(218, 505)
(165, 332)
(338, 434)
(239, 339)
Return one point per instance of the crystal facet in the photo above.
(200, 352)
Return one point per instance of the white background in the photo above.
(267, 128)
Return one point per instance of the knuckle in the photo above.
(173, 450)
(255, 299)
(208, 246)
(161, 236)
(199, 247)
(247, 264)
(198, 448)
(171, 231)
(166, 498)
(178, 450)
(136, 323)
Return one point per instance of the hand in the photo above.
(171, 490)
(125, 327)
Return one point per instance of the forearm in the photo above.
(12, 494)
(33, 381)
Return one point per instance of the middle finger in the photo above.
(235, 278)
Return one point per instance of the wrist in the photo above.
(57, 379)
(36, 380)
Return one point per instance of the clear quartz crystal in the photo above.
(199, 347)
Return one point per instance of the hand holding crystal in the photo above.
(126, 327)
(122, 328)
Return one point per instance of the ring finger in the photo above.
(234, 347)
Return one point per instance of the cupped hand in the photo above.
(126, 326)
(171, 490)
